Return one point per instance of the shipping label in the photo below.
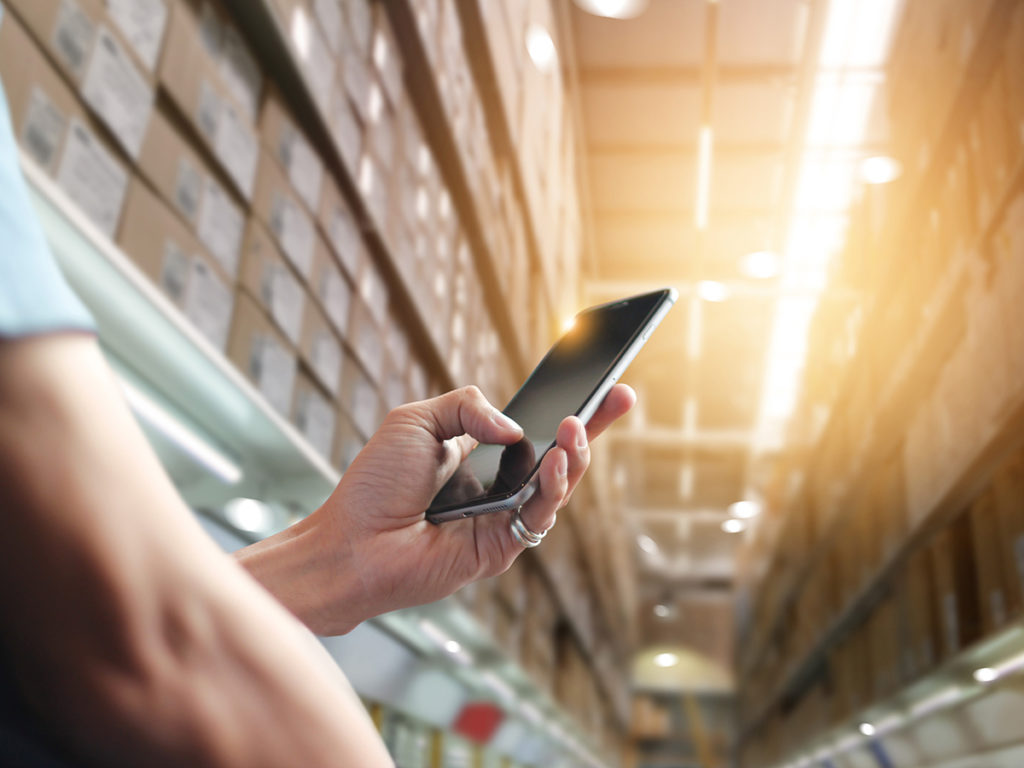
(237, 147)
(305, 171)
(174, 271)
(92, 178)
(315, 419)
(272, 367)
(325, 359)
(282, 294)
(220, 226)
(43, 130)
(294, 231)
(240, 72)
(142, 23)
(73, 37)
(118, 93)
(208, 303)
(336, 296)
(188, 190)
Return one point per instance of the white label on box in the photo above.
(370, 351)
(325, 359)
(208, 114)
(305, 171)
(188, 189)
(174, 271)
(365, 404)
(72, 37)
(237, 148)
(273, 369)
(315, 419)
(220, 226)
(142, 23)
(118, 93)
(208, 303)
(282, 293)
(346, 132)
(329, 14)
(357, 83)
(240, 72)
(294, 230)
(344, 237)
(319, 67)
(336, 297)
(374, 292)
(92, 178)
(44, 129)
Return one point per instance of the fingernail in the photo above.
(562, 464)
(504, 421)
(581, 440)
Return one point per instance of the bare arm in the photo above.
(131, 635)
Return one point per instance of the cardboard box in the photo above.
(142, 24)
(348, 440)
(340, 228)
(54, 130)
(90, 53)
(331, 288)
(360, 397)
(268, 278)
(321, 349)
(314, 415)
(262, 353)
(346, 128)
(193, 188)
(280, 209)
(367, 340)
(174, 260)
(386, 56)
(300, 27)
(208, 73)
(292, 150)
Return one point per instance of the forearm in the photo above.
(131, 634)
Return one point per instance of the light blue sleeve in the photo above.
(34, 297)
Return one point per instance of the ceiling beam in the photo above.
(717, 439)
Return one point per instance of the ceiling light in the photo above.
(867, 729)
(712, 290)
(761, 264)
(666, 660)
(647, 544)
(703, 177)
(541, 47)
(744, 510)
(613, 9)
(732, 525)
(880, 169)
(662, 611)
(452, 646)
(986, 675)
(249, 515)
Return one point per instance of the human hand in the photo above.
(369, 549)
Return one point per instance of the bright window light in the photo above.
(541, 47)
(666, 660)
(712, 290)
(761, 265)
(734, 525)
(686, 481)
(613, 9)
(452, 646)
(745, 510)
(880, 169)
(704, 143)
(867, 729)
(646, 543)
(568, 324)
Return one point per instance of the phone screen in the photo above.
(558, 387)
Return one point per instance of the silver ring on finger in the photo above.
(521, 533)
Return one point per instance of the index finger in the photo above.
(616, 404)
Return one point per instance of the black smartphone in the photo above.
(572, 379)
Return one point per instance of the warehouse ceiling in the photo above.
(723, 141)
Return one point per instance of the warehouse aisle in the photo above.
(804, 546)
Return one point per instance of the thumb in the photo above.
(466, 411)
